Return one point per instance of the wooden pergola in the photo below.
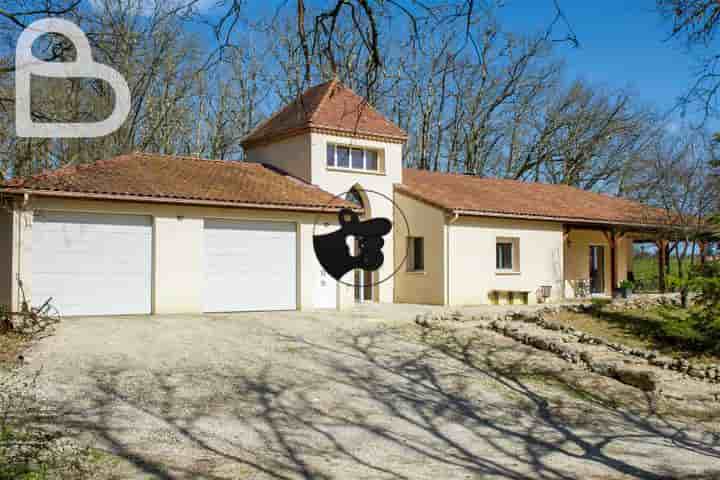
(662, 238)
(658, 236)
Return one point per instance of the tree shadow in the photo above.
(377, 405)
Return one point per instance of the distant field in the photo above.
(646, 271)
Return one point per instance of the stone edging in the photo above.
(596, 354)
(709, 373)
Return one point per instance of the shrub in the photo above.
(706, 313)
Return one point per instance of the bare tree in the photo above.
(695, 22)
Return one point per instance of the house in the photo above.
(147, 233)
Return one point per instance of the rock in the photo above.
(638, 377)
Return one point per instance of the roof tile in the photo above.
(179, 178)
(331, 106)
(493, 196)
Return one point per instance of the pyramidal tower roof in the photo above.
(332, 108)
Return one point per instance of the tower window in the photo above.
(353, 158)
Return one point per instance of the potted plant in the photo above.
(626, 288)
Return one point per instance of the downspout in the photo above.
(19, 252)
(454, 218)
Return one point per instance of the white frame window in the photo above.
(415, 263)
(352, 158)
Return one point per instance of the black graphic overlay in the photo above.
(332, 249)
(333, 252)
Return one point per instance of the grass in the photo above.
(646, 271)
(666, 329)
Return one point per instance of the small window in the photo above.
(507, 254)
(503, 256)
(330, 155)
(416, 254)
(352, 158)
(371, 162)
(342, 155)
(357, 159)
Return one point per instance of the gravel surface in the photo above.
(360, 394)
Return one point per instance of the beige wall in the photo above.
(177, 264)
(340, 181)
(304, 156)
(177, 246)
(429, 223)
(6, 241)
(291, 155)
(471, 268)
(577, 258)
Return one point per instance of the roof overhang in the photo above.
(596, 223)
(585, 222)
(249, 142)
(175, 201)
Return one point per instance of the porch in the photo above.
(598, 259)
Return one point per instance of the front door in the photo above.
(597, 269)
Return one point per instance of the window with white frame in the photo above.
(339, 156)
(507, 254)
(416, 254)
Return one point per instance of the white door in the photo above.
(92, 264)
(325, 295)
(249, 265)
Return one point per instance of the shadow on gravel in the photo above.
(371, 398)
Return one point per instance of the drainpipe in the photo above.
(455, 216)
(19, 251)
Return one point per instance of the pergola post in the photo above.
(612, 241)
(703, 252)
(662, 252)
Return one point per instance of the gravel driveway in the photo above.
(344, 395)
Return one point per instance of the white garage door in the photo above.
(92, 264)
(249, 266)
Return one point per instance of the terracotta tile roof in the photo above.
(512, 198)
(328, 106)
(152, 177)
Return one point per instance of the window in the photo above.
(503, 256)
(342, 157)
(330, 154)
(352, 158)
(507, 255)
(416, 254)
(357, 159)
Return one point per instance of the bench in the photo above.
(512, 296)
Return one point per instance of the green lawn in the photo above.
(646, 271)
(666, 329)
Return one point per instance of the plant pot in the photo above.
(626, 292)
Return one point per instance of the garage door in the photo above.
(92, 264)
(249, 266)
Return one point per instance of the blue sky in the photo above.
(623, 44)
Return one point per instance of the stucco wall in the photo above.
(304, 156)
(178, 246)
(290, 154)
(577, 258)
(471, 269)
(427, 222)
(6, 237)
(338, 181)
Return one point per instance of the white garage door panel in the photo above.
(249, 266)
(92, 264)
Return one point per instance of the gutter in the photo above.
(171, 200)
(475, 213)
